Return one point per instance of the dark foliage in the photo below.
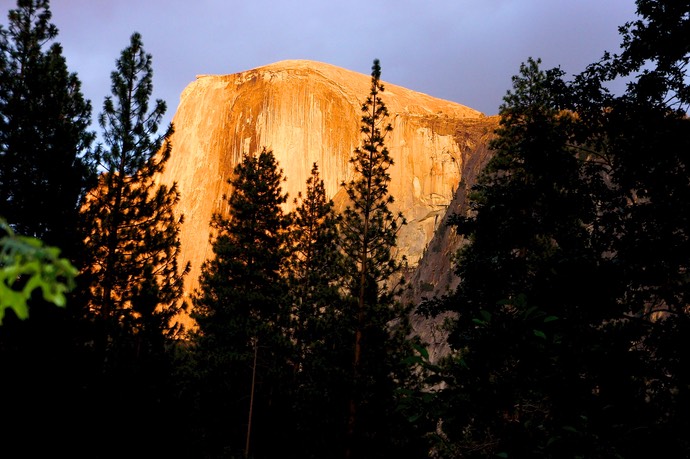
(368, 231)
(573, 287)
(44, 171)
(44, 163)
(131, 230)
(131, 283)
(322, 329)
(242, 352)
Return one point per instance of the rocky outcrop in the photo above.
(309, 112)
(433, 276)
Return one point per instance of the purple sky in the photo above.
(461, 50)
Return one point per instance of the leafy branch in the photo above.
(26, 265)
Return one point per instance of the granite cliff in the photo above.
(309, 112)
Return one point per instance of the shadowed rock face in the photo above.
(434, 275)
(309, 112)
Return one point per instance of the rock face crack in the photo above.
(309, 112)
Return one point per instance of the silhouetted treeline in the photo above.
(271, 368)
(569, 329)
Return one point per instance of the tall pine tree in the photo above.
(242, 348)
(322, 327)
(368, 232)
(525, 336)
(44, 165)
(645, 133)
(44, 172)
(315, 267)
(572, 320)
(131, 284)
(131, 230)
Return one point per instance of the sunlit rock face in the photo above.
(310, 112)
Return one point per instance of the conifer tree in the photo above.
(524, 319)
(131, 284)
(645, 134)
(322, 327)
(44, 172)
(571, 329)
(315, 267)
(132, 232)
(242, 345)
(44, 165)
(368, 232)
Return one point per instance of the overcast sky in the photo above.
(461, 50)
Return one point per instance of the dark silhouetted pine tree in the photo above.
(243, 352)
(131, 281)
(131, 228)
(44, 163)
(323, 326)
(572, 319)
(315, 268)
(368, 232)
(44, 171)
(644, 133)
(524, 341)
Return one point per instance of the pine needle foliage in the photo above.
(242, 347)
(322, 326)
(130, 224)
(368, 236)
(369, 228)
(45, 166)
(316, 262)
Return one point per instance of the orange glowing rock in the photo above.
(309, 112)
